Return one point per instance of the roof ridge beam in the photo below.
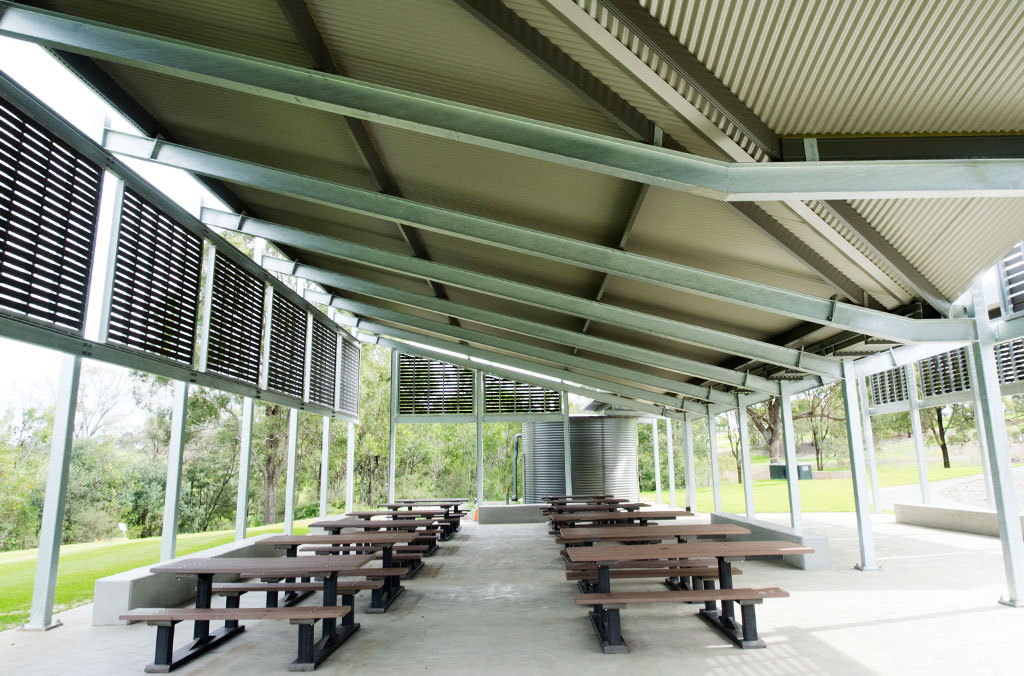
(511, 133)
(535, 242)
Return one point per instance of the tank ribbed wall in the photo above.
(604, 457)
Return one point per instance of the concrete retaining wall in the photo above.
(763, 530)
(832, 474)
(511, 514)
(140, 588)
(962, 519)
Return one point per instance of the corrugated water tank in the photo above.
(604, 457)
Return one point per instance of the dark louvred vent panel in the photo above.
(889, 387)
(349, 395)
(502, 395)
(1010, 361)
(49, 199)
(156, 282)
(287, 347)
(1011, 276)
(236, 322)
(322, 364)
(432, 387)
(946, 373)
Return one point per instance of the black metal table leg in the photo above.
(728, 614)
(204, 597)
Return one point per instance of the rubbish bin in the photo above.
(778, 471)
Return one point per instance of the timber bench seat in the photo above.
(605, 615)
(310, 653)
(299, 590)
(683, 577)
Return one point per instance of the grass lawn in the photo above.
(82, 564)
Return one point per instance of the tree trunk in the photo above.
(272, 471)
(772, 430)
(817, 450)
(942, 437)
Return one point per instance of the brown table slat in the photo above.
(640, 533)
(373, 538)
(185, 614)
(298, 566)
(686, 550)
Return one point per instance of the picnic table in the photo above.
(451, 510)
(609, 507)
(605, 616)
(381, 598)
(587, 501)
(266, 568)
(549, 498)
(638, 516)
(427, 536)
(649, 533)
(419, 513)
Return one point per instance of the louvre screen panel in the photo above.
(1011, 276)
(157, 273)
(236, 322)
(889, 387)
(322, 364)
(1010, 361)
(49, 202)
(348, 398)
(432, 387)
(287, 347)
(502, 395)
(946, 373)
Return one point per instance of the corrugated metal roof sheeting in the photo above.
(870, 66)
(944, 237)
(435, 47)
(254, 27)
(614, 76)
(520, 190)
(251, 128)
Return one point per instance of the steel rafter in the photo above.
(555, 247)
(511, 133)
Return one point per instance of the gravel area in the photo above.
(971, 490)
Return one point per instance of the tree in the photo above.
(822, 413)
(269, 442)
(767, 418)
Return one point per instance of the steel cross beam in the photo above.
(603, 345)
(554, 247)
(304, 27)
(512, 133)
(567, 361)
(665, 400)
(497, 370)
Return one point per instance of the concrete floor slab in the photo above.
(494, 600)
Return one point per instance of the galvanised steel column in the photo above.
(857, 465)
(566, 444)
(915, 424)
(986, 466)
(998, 451)
(657, 460)
(350, 461)
(671, 462)
(688, 469)
(293, 454)
(748, 478)
(325, 461)
(792, 472)
(51, 530)
(869, 444)
(244, 455)
(478, 408)
(172, 491)
(716, 480)
(393, 426)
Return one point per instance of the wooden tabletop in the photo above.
(687, 550)
(406, 514)
(432, 501)
(374, 524)
(405, 505)
(373, 538)
(620, 516)
(598, 508)
(266, 566)
(587, 501)
(579, 495)
(642, 533)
